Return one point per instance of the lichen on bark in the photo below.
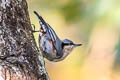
(19, 55)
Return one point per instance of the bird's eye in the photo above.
(62, 45)
(70, 43)
(66, 44)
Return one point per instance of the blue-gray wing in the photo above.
(47, 30)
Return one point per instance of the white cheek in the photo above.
(72, 47)
(68, 50)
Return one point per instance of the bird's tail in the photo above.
(39, 17)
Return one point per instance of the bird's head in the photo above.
(68, 46)
(66, 43)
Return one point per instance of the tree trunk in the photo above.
(19, 55)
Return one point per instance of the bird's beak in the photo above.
(77, 45)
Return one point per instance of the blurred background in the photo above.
(95, 24)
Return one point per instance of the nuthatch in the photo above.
(50, 45)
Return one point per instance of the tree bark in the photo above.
(19, 55)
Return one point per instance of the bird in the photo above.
(51, 46)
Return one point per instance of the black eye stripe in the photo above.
(71, 44)
(67, 43)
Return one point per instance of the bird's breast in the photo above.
(47, 48)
